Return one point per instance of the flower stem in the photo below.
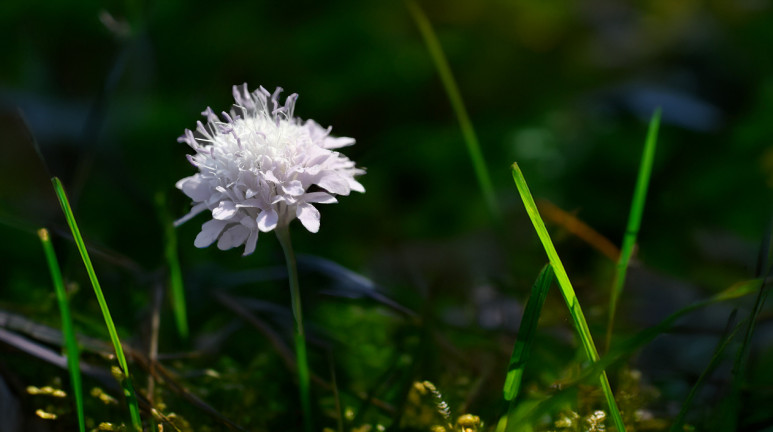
(283, 234)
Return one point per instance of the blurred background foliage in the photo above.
(103, 89)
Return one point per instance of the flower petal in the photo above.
(293, 188)
(210, 230)
(337, 142)
(198, 208)
(232, 237)
(225, 210)
(334, 183)
(319, 197)
(267, 220)
(252, 240)
(355, 185)
(309, 216)
(196, 188)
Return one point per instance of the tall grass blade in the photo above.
(567, 291)
(628, 347)
(730, 419)
(173, 264)
(70, 343)
(522, 348)
(634, 219)
(727, 336)
(587, 376)
(455, 97)
(126, 383)
(523, 343)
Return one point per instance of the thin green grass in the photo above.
(126, 382)
(567, 291)
(173, 264)
(455, 97)
(522, 347)
(727, 336)
(526, 331)
(70, 342)
(733, 401)
(634, 219)
(628, 347)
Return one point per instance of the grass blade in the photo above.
(522, 348)
(455, 97)
(567, 291)
(173, 263)
(713, 363)
(71, 344)
(730, 419)
(539, 292)
(634, 219)
(737, 290)
(131, 396)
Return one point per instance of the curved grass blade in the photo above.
(588, 375)
(634, 219)
(733, 402)
(567, 291)
(126, 383)
(455, 97)
(522, 348)
(173, 263)
(728, 335)
(71, 344)
(627, 348)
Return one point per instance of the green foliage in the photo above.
(96, 94)
(125, 378)
(572, 303)
(70, 341)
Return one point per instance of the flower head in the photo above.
(260, 168)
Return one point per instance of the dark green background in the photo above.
(563, 88)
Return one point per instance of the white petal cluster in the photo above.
(260, 168)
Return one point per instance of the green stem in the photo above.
(283, 234)
(71, 343)
(173, 263)
(126, 382)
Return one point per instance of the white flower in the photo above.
(260, 168)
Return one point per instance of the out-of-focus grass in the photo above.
(71, 343)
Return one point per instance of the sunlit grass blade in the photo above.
(624, 350)
(634, 219)
(126, 382)
(727, 336)
(71, 344)
(567, 291)
(173, 264)
(455, 97)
